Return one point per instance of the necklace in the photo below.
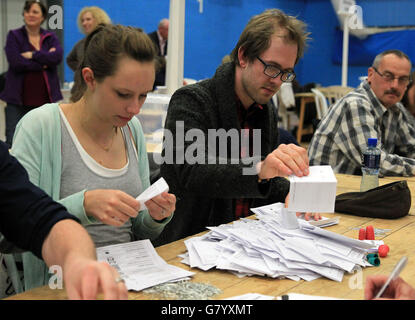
(108, 148)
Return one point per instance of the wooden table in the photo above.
(401, 241)
(305, 98)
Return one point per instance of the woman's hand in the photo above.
(162, 206)
(27, 54)
(112, 207)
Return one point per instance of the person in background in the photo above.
(226, 183)
(31, 220)
(373, 110)
(90, 155)
(398, 289)
(159, 38)
(33, 55)
(88, 19)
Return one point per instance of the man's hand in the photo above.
(397, 289)
(69, 245)
(85, 278)
(284, 161)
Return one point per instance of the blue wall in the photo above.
(317, 64)
(211, 35)
(387, 13)
(208, 36)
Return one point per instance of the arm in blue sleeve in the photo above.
(26, 212)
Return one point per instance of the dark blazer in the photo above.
(153, 36)
(161, 72)
(206, 193)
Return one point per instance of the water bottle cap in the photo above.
(372, 142)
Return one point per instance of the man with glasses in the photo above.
(373, 110)
(222, 187)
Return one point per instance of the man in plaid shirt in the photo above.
(372, 110)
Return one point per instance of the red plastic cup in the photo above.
(370, 233)
(362, 234)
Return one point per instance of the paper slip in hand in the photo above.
(315, 192)
(152, 191)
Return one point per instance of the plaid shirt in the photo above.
(247, 121)
(342, 135)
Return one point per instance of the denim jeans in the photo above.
(13, 115)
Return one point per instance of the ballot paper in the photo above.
(265, 247)
(251, 296)
(299, 296)
(276, 209)
(152, 191)
(139, 264)
(313, 193)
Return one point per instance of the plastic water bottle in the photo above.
(370, 166)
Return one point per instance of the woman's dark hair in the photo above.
(28, 4)
(103, 49)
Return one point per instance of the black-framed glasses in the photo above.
(273, 72)
(389, 77)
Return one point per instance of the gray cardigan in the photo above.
(206, 193)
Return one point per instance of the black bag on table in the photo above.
(390, 201)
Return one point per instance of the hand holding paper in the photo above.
(284, 161)
(155, 198)
(112, 207)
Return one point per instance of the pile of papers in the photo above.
(139, 265)
(267, 247)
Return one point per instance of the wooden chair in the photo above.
(331, 93)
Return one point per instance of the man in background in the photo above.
(373, 110)
(159, 38)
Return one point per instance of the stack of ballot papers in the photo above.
(265, 247)
(139, 265)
